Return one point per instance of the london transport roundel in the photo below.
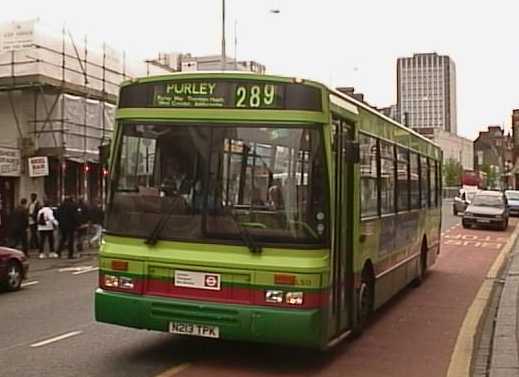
(211, 281)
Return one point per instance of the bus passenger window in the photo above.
(368, 176)
(387, 177)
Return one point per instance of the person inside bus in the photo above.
(176, 180)
(275, 195)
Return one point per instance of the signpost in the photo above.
(38, 166)
(10, 165)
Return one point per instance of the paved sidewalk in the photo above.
(505, 348)
(36, 264)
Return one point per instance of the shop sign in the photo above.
(10, 162)
(17, 35)
(38, 166)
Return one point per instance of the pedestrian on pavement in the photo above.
(19, 222)
(46, 225)
(34, 207)
(82, 227)
(68, 221)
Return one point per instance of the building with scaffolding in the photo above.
(185, 62)
(57, 104)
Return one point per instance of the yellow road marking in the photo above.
(461, 357)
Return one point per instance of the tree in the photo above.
(452, 172)
(491, 175)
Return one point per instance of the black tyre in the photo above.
(465, 225)
(14, 276)
(365, 301)
(454, 211)
(422, 268)
(504, 226)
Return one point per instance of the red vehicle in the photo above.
(13, 268)
(472, 178)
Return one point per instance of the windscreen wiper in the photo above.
(245, 235)
(155, 233)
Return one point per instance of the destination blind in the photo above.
(238, 94)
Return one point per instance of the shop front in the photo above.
(10, 170)
(75, 178)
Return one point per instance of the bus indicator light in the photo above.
(283, 279)
(119, 265)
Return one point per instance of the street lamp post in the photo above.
(223, 35)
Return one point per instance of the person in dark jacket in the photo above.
(34, 208)
(68, 223)
(19, 222)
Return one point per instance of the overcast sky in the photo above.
(338, 42)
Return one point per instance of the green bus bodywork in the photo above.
(331, 309)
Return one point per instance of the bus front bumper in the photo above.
(234, 322)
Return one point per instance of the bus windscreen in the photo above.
(201, 181)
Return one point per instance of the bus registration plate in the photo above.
(193, 329)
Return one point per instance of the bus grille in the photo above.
(194, 313)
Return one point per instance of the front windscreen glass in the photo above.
(512, 195)
(470, 195)
(217, 182)
(488, 201)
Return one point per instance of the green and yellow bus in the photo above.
(262, 208)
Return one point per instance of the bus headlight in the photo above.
(111, 281)
(294, 298)
(274, 297)
(122, 282)
(125, 282)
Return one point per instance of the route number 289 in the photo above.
(255, 96)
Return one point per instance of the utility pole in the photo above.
(223, 35)
(235, 44)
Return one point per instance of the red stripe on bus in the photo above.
(229, 295)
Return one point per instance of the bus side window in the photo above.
(368, 176)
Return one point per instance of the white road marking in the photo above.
(29, 283)
(55, 339)
(85, 271)
(78, 268)
(174, 370)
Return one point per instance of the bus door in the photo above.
(342, 249)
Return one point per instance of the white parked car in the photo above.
(462, 201)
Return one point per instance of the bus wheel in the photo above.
(422, 268)
(365, 301)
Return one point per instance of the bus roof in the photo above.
(222, 74)
(368, 108)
